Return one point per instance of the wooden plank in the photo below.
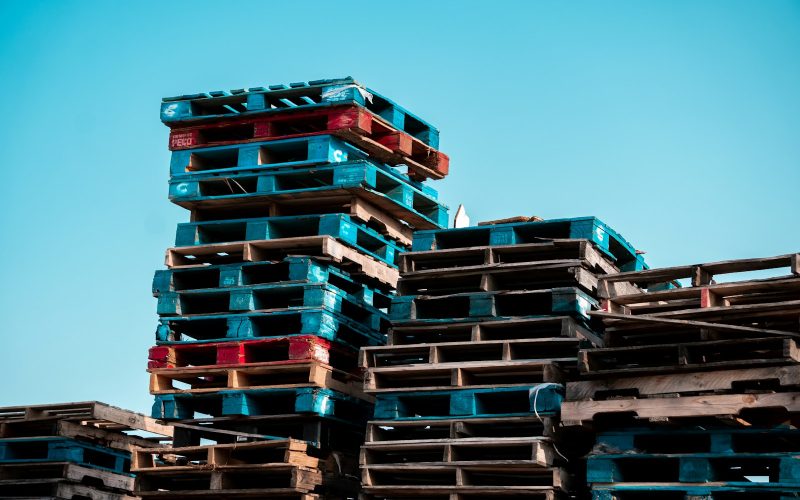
(692, 323)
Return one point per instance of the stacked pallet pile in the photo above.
(696, 393)
(301, 198)
(485, 330)
(72, 450)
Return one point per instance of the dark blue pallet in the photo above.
(396, 194)
(55, 449)
(754, 491)
(589, 228)
(783, 469)
(318, 321)
(473, 403)
(340, 226)
(300, 95)
(272, 297)
(557, 301)
(305, 400)
(289, 270)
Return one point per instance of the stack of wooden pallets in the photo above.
(73, 450)
(485, 331)
(696, 393)
(301, 198)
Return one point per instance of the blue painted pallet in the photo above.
(57, 449)
(304, 400)
(589, 228)
(700, 439)
(541, 400)
(729, 469)
(753, 491)
(271, 297)
(386, 189)
(299, 95)
(556, 301)
(340, 226)
(289, 270)
(319, 322)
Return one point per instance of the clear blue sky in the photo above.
(676, 122)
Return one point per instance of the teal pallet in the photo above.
(305, 400)
(289, 270)
(589, 228)
(781, 469)
(342, 227)
(319, 322)
(36, 450)
(557, 301)
(396, 194)
(753, 491)
(271, 297)
(191, 108)
(542, 400)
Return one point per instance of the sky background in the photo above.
(675, 122)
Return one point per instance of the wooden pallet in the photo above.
(469, 374)
(473, 493)
(425, 478)
(254, 376)
(479, 330)
(38, 489)
(56, 478)
(270, 250)
(445, 430)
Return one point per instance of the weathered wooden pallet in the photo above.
(452, 354)
(541, 400)
(683, 491)
(716, 405)
(350, 259)
(280, 350)
(444, 430)
(699, 439)
(466, 451)
(700, 275)
(339, 226)
(556, 301)
(271, 298)
(258, 402)
(42, 479)
(352, 123)
(489, 330)
(325, 433)
(186, 109)
(231, 481)
(427, 478)
(98, 422)
(743, 293)
(371, 189)
(608, 241)
(288, 270)
(709, 355)
(499, 277)
(207, 379)
(57, 449)
(470, 493)
(758, 379)
(780, 469)
(546, 252)
(46, 489)
(320, 322)
(469, 374)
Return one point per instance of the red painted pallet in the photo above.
(283, 350)
(353, 123)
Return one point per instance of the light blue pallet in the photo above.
(339, 226)
(408, 200)
(589, 228)
(286, 296)
(557, 301)
(289, 270)
(542, 399)
(56, 449)
(259, 402)
(299, 95)
(312, 321)
(753, 491)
